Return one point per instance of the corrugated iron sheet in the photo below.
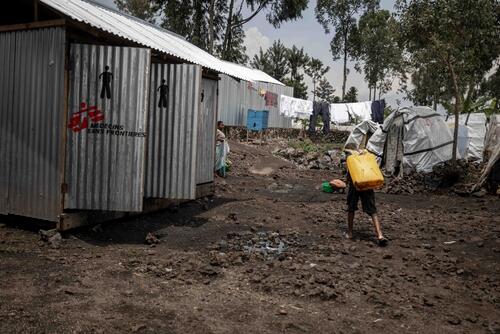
(205, 147)
(105, 161)
(139, 31)
(236, 97)
(31, 116)
(172, 132)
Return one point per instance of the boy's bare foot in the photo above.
(382, 242)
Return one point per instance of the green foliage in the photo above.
(339, 16)
(274, 61)
(325, 91)
(351, 95)
(456, 44)
(316, 70)
(309, 147)
(143, 9)
(375, 43)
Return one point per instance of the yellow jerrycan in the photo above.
(364, 171)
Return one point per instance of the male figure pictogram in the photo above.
(107, 78)
(163, 94)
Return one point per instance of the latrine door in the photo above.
(106, 127)
(206, 132)
(31, 116)
(173, 131)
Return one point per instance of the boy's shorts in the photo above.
(367, 200)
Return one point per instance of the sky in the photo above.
(310, 35)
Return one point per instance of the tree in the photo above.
(274, 61)
(143, 9)
(351, 95)
(316, 71)
(376, 45)
(340, 16)
(278, 11)
(325, 91)
(458, 38)
(297, 60)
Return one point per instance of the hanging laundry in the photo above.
(361, 111)
(378, 108)
(320, 109)
(295, 108)
(339, 113)
(271, 99)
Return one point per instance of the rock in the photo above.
(97, 228)
(53, 237)
(283, 312)
(138, 328)
(387, 257)
(460, 271)
(45, 235)
(151, 239)
(480, 193)
(453, 320)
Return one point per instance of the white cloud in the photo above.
(254, 40)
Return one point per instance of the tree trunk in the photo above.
(228, 33)
(314, 91)
(374, 91)
(211, 29)
(345, 70)
(458, 106)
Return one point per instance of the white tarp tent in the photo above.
(471, 134)
(359, 134)
(492, 137)
(416, 136)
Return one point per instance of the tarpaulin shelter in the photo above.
(415, 138)
(360, 135)
(471, 134)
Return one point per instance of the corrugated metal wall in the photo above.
(31, 116)
(105, 161)
(235, 98)
(205, 148)
(172, 132)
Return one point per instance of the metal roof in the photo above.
(149, 35)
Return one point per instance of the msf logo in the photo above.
(80, 120)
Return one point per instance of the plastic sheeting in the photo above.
(471, 134)
(358, 134)
(492, 138)
(426, 138)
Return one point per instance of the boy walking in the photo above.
(368, 204)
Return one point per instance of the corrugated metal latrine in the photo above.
(205, 154)
(237, 96)
(107, 127)
(172, 128)
(31, 118)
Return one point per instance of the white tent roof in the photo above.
(426, 141)
(149, 35)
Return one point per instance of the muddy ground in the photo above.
(265, 255)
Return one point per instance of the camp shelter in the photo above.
(359, 136)
(237, 96)
(471, 134)
(416, 136)
(102, 114)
